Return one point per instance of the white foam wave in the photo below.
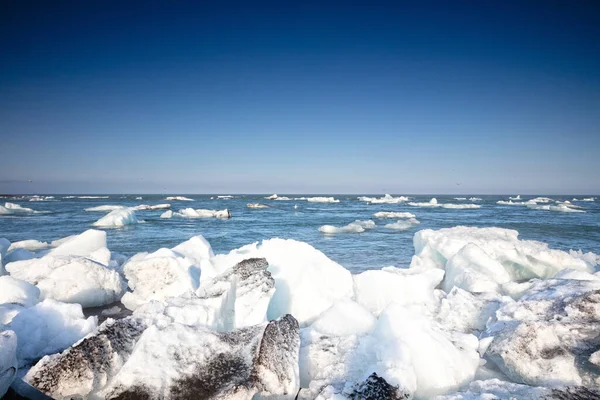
(403, 224)
(357, 226)
(178, 198)
(393, 214)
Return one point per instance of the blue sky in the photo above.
(317, 97)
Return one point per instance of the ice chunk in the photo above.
(403, 225)
(460, 206)
(31, 245)
(518, 197)
(178, 198)
(392, 214)
(167, 214)
(144, 207)
(157, 276)
(497, 389)
(558, 208)
(376, 289)
(117, 218)
(186, 362)
(344, 318)
(225, 197)
(86, 368)
(521, 259)
(202, 213)
(83, 244)
(18, 292)
(466, 312)
(8, 360)
(431, 203)
(47, 328)
(4, 246)
(271, 197)
(475, 199)
(540, 339)
(460, 198)
(283, 198)
(105, 208)
(256, 205)
(319, 199)
(387, 199)
(15, 209)
(357, 226)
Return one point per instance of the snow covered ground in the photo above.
(479, 314)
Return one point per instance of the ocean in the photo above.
(299, 219)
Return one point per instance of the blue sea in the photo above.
(298, 219)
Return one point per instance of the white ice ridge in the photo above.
(357, 226)
(318, 199)
(179, 198)
(118, 218)
(393, 214)
(225, 197)
(402, 225)
(387, 199)
(15, 209)
(198, 213)
(433, 203)
(256, 205)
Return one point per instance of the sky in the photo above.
(300, 97)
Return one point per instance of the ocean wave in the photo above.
(357, 226)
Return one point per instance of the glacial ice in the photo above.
(256, 205)
(393, 214)
(317, 199)
(16, 291)
(8, 360)
(117, 218)
(178, 198)
(387, 199)
(143, 207)
(15, 209)
(199, 213)
(402, 224)
(357, 226)
(49, 327)
(105, 208)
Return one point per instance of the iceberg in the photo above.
(107, 207)
(317, 199)
(117, 219)
(391, 214)
(15, 209)
(357, 226)
(431, 203)
(403, 224)
(8, 360)
(256, 205)
(387, 199)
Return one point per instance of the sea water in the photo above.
(300, 219)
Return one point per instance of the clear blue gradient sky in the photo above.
(300, 97)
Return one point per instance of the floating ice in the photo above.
(387, 199)
(178, 198)
(41, 198)
(15, 209)
(271, 197)
(167, 214)
(317, 199)
(460, 198)
(256, 205)
(392, 214)
(434, 203)
(47, 328)
(431, 203)
(92, 197)
(105, 208)
(516, 203)
(4, 247)
(542, 200)
(357, 226)
(117, 218)
(518, 197)
(225, 197)
(8, 360)
(403, 224)
(143, 207)
(475, 199)
(558, 208)
(199, 213)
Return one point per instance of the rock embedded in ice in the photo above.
(17, 291)
(357, 226)
(376, 289)
(86, 368)
(8, 360)
(47, 328)
(179, 361)
(118, 218)
(375, 387)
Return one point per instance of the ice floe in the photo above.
(434, 203)
(143, 207)
(517, 197)
(198, 213)
(178, 198)
(557, 208)
(271, 197)
(15, 209)
(107, 207)
(317, 199)
(402, 225)
(118, 218)
(393, 214)
(387, 199)
(8, 360)
(256, 205)
(41, 198)
(357, 226)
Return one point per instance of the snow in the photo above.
(387, 199)
(376, 289)
(8, 360)
(256, 205)
(178, 198)
(118, 218)
(318, 199)
(392, 214)
(403, 224)
(105, 208)
(15, 209)
(47, 328)
(17, 291)
(357, 226)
